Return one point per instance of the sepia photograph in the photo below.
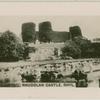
(50, 51)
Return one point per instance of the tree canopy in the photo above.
(84, 44)
(71, 49)
(11, 47)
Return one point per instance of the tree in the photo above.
(84, 44)
(11, 48)
(71, 49)
(95, 50)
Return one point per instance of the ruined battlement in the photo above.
(47, 34)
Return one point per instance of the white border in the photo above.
(50, 8)
(49, 0)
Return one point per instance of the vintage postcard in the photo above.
(50, 50)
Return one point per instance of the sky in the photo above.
(90, 25)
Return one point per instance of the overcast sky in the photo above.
(90, 25)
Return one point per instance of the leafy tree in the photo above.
(84, 44)
(95, 50)
(11, 48)
(71, 49)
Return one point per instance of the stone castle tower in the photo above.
(28, 32)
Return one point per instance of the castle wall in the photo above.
(47, 34)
